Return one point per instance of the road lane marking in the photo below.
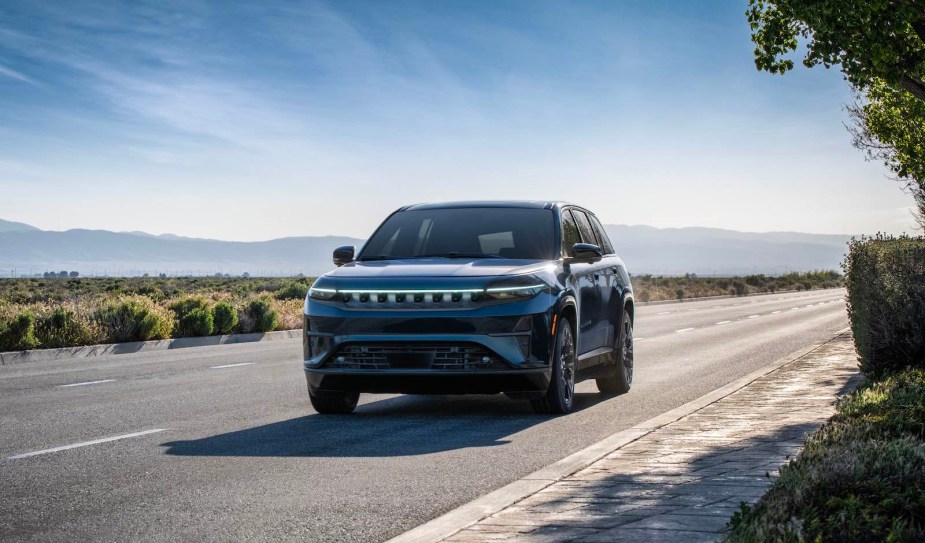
(795, 308)
(86, 383)
(663, 313)
(638, 338)
(85, 444)
(231, 365)
(775, 312)
(753, 316)
(810, 305)
(722, 322)
(684, 330)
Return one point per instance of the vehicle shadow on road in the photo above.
(399, 426)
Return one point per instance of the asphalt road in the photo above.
(241, 455)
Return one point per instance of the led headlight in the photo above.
(319, 293)
(514, 289)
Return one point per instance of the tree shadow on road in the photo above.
(399, 426)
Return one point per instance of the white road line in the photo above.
(664, 313)
(86, 383)
(753, 316)
(810, 305)
(684, 330)
(231, 365)
(722, 322)
(84, 444)
(638, 338)
(795, 308)
(775, 312)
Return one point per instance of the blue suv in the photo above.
(520, 298)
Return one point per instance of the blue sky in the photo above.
(255, 120)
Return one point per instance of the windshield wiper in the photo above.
(455, 254)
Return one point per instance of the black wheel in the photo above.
(622, 378)
(561, 393)
(337, 403)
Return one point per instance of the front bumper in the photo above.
(504, 348)
(428, 381)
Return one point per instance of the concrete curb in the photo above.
(90, 351)
(466, 515)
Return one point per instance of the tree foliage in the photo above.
(880, 47)
(890, 127)
(869, 40)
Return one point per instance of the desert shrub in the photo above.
(679, 293)
(65, 328)
(194, 317)
(226, 318)
(860, 478)
(260, 317)
(187, 304)
(739, 288)
(290, 313)
(134, 318)
(886, 302)
(196, 323)
(292, 291)
(19, 333)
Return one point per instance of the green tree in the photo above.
(889, 126)
(869, 40)
(880, 47)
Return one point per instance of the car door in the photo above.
(612, 295)
(598, 331)
(583, 285)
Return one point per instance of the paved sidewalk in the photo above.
(684, 480)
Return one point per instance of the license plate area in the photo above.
(411, 361)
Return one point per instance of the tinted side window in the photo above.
(601, 235)
(570, 234)
(584, 226)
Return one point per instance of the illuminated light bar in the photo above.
(410, 291)
(509, 289)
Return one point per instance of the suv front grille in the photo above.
(429, 356)
(409, 300)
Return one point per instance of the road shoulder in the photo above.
(679, 475)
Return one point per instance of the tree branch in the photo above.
(915, 86)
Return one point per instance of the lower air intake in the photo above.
(429, 356)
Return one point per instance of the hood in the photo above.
(436, 267)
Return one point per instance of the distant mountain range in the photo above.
(26, 250)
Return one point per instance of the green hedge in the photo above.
(860, 478)
(885, 278)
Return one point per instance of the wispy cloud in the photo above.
(13, 74)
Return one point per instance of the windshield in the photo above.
(484, 232)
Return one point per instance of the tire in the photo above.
(622, 378)
(333, 403)
(560, 396)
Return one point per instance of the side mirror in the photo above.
(586, 251)
(344, 255)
